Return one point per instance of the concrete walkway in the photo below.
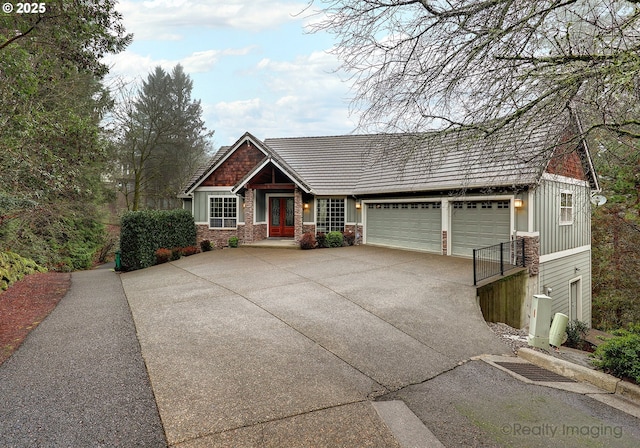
(79, 379)
(263, 347)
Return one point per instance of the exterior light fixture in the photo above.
(517, 203)
(306, 206)
(358, 205)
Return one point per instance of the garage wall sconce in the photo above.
(517, 203)
(358, 205)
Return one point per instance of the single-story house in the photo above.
(445, 193)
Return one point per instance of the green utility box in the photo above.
(557, 334)
(539, 321)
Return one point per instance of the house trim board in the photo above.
(564, 253)
(565, 179)
(578, 279)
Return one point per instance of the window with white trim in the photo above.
(223, 212)
(566, 208)
(330, 215)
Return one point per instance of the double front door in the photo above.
(281, 213)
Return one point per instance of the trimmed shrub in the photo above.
(233, 241)
(13, 268)
(143, 232)
(205, 246)
(576, 334)
(176, 253)
(162, 255)
(189, 250)
(321, 240)
(620, 355)
(335, 239)
(307, 241)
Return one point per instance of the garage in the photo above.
(476, 224)
(407, 225)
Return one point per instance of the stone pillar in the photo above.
(249, 204)
(298, 216)
(532, 254)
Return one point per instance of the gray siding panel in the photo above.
(309, 213)
(553, 236)
(521, 215)
(200, 206)
(350, 210)
(558, 275)
(260, 205)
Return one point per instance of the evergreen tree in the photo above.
(51, 149)
(161, 139)
(616, 234)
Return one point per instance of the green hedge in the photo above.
(335, 239)
(13, 267)
(620, 355)
(144, 232)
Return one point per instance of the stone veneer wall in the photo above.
(259, 232)
(249, 231)
(220, 238)
(444, 242)
(298, 212)
(349, 228)
(532, 254)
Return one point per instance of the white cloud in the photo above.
(168, 19)
(129, 65)
(302, 98)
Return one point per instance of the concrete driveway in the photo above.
(274, 347)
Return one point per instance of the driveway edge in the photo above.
(599, 379)
(406, 427)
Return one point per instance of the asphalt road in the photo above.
(477, 405)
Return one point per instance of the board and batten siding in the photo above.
(201, 206)
(558, 275)
(556, 237)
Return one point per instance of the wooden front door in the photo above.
(281, 217)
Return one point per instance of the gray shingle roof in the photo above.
(329, 165)
(394, 163)
(389, 163)
(203, 169)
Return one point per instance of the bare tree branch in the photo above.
(431, 64)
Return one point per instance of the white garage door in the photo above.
(477, 224)
(408, 225)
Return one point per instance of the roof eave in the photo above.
(592, 172)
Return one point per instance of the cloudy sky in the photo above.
(253, 65)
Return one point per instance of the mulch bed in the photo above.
(25, 304)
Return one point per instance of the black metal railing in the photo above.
(497, 259)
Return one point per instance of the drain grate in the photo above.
(534, 373)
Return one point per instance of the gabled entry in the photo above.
(281, 217)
